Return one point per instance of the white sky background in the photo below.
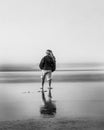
(73, 29)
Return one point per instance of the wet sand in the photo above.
(62, 120)
(53, 124)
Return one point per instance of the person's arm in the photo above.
(41, 65)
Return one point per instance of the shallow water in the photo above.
(24, 101)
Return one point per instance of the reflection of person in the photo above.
(49, 107)
(47, 65)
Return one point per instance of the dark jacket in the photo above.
(47, 63)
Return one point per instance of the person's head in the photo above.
(48, 52)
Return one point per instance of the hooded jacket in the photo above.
(47, 63)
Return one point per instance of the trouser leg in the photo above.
(50, 81)
(43, 79)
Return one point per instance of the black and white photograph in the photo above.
(51, 65)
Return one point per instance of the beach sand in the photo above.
(57, 123)
(53, 124)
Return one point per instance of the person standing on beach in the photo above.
(47, 65)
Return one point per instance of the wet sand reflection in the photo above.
(49, 107)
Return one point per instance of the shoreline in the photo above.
(66, 76)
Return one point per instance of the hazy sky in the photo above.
(73, 29)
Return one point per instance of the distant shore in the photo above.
(53, 124)
(58, 76)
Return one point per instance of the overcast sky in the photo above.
(73, 29)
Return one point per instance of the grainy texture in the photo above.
(53, 124)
